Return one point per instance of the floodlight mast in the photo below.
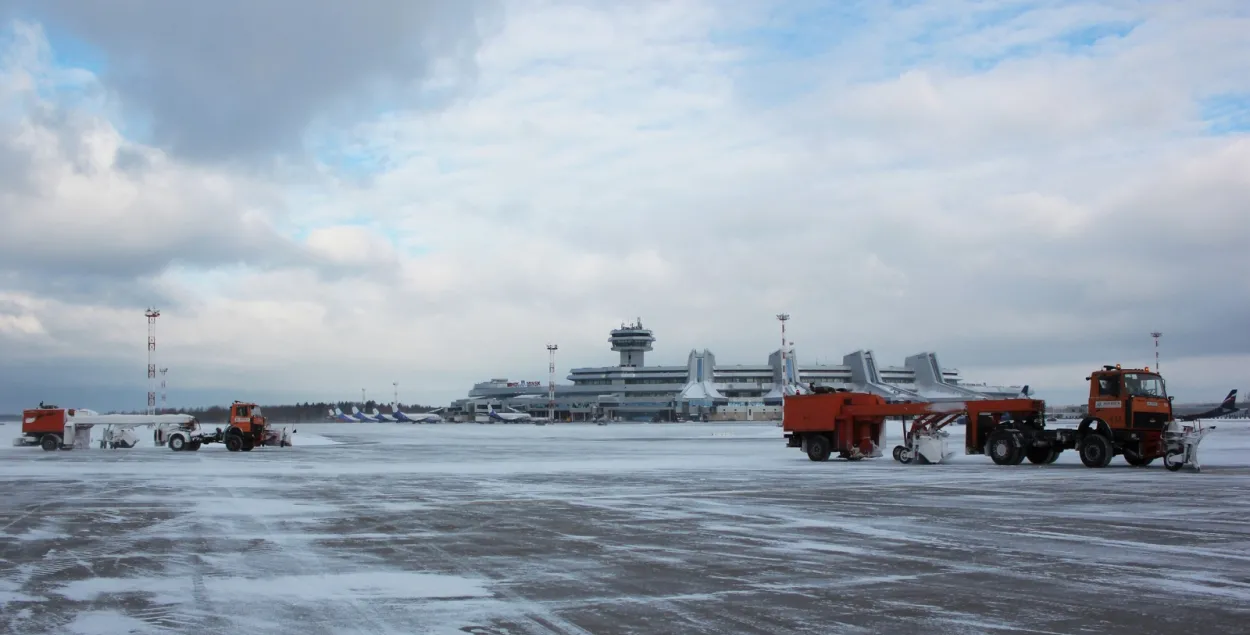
(551, 382)
(1156, 335)
(785, 376)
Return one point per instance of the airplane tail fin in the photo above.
(1024, 392)
(1231, 400)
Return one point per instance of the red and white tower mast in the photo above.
(152, 314)
(551, 382)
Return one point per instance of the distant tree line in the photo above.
(294, 413)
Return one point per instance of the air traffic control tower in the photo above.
(631, 341)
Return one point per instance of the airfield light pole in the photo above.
(551, 382)
(785, 378)
(152, 314)
(395, 404)
(362, 397)
(1156, 335)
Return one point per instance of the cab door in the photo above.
(1107, 400)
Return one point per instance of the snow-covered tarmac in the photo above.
(628, 528)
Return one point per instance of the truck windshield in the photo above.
(1143, 385)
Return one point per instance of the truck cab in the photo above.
(1129, 399)
(247, 427)
(246, 416)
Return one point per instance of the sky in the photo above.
(323, 199)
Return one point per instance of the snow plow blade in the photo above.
(1182, 447)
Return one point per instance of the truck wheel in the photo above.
(818, 447)
(1096, 450)
(1136, 460)
(1002, 448)
(234, 442)
(49, 442)
(248, 444)
(193, 446)
(177, 443)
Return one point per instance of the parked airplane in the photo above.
(360, 416)
(509, 417)
(338, 415)
(378, 416)
(1227, 407)
(416, 417)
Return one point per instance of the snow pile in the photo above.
(308, 439)
(328, 587)
(101, 622)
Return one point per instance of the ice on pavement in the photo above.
(625, 528)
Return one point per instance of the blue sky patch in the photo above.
(1228, 113)
(69, 51)
(1094, 33)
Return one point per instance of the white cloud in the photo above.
(616, 161)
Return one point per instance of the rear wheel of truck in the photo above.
(1136, 460)
(248, 444)
(818, 447)
(234, 442)
(177, 443)
(49, 442)
(1002, 448)
(193, 446)
(1096, 450)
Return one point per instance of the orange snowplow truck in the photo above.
(1130, 414)
(246, 427)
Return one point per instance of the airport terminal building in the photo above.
(704, 389)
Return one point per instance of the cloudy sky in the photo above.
(322, 199)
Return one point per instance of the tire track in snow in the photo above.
(369, 618)
(535, 614)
